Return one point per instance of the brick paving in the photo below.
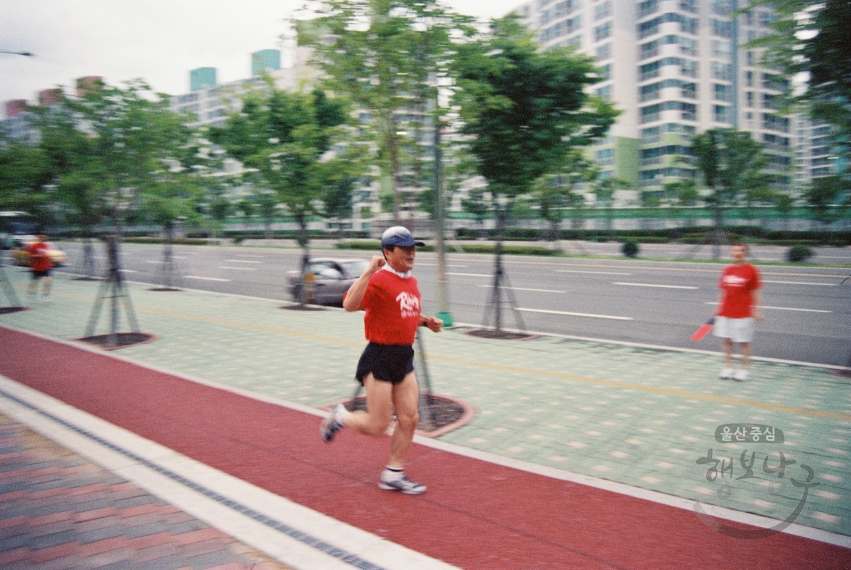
(58, 510)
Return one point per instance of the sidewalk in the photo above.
(599, 411)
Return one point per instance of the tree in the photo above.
(827, 196)
(556, 193)
(732, 164)
(524, 109)
(386, 56)
(811, 37)
(682, 193)
(604, 189)
(477, 205)
(288, 138)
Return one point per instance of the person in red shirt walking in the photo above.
(389, 294)
(40, 266)
(738, 306)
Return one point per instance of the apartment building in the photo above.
(672, 69)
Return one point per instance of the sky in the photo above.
(156, 40)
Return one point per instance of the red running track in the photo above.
(476, 515)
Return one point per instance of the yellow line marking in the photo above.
(514, 369)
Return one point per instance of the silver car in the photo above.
(327, 280)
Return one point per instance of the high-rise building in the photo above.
(265, 61)
(202, 77)
(671, 67)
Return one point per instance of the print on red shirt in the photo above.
(738, 283)
(392, 307)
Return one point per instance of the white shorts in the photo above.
(737, 330)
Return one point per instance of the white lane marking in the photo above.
(653, 285)
(129, 271)
(525, 289)
(569, 314)
(781, 308)
(802, 283)
(238, 268)
(591, 272)
(471, 274)
(240, 261)
(206, 278)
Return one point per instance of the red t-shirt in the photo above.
(738, 283)
(392, 309)
(39, 260)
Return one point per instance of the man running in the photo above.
(389, 294)
(737, 308)
(40, 266)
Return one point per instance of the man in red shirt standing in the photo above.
(737, 308)
(40, 265)
(389, 294)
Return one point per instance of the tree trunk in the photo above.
(306, 284)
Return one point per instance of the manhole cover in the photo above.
(119, 340)
(7, 310)
(500, 335)
(438, 414)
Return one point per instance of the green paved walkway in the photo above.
(637, 416)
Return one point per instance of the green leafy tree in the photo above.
(828, 196)
(386, 56)
(523, 109)
(810, 37)
(557, 193)
(477, 205)
(732, 164)
(604, 189)
(288, 137)
(682, 195)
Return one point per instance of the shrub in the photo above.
(799, 253)
(630, 248)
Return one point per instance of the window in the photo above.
(721, 49)
(688, 68)
(605, 92)
(722, 114)
(650, 135)
(602, 31)
(650, 49)
(650, 113)
(606, 156)
(574, 23)
(721, 7)
(722, 92)
(688, 46)
(575, 42)
(649, 70)
(749, 98)
(771, 122)
(723, 71)
(749, 57)
(603, 10)
(688, 6)
(749, 78)
(766, 19)
(722, 28)
(648, 7)
(689, 90)
(605, 72)
(604, 52)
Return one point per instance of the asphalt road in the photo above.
(649, 302)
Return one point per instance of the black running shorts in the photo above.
(387, 362)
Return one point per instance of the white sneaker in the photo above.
(332, 423)
(741, 376)
(726, 374)
(403, 484)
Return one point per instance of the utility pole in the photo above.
(439, 215)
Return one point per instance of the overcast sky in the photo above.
(157, 40)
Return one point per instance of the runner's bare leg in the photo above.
(406, 396)
(379, 400)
